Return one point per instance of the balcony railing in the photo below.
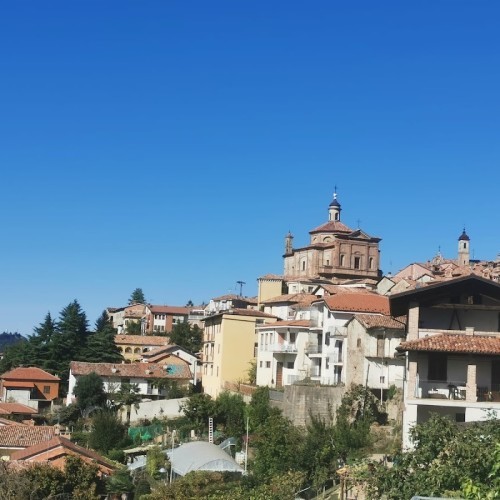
(433, 389)
(282, 348)
(313, 349)
(489, 393)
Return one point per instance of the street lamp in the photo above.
(172, 456)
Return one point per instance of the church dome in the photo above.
(463, 236)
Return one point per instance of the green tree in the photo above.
(127, 397)
(229, 410)
(133, 328)
(187, 336)
(107, 432)
(120, 482)
(68, 342)
(156, 460)
(89, 392)
(82, 480)
(137, 297)
(197, 410)
(259, 408)
(101, 346)
(446, 460)
(277, 448)
(252, 372)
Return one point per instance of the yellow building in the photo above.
(229, 345)
(133, 346)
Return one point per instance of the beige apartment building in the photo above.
(229, 346)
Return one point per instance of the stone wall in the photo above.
(299, 401)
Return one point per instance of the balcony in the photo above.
(449, 389)
(285, 348)
(313, 349)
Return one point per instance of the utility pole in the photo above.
(241, 283)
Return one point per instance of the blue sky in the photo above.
(172, 145)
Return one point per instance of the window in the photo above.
(289, 365)
(438, 364)
(255, 349)
(303, 265)
(357, 262)
(342, 260)
(260, 364)
(371, 262)
(382, 380)
(380, 346)
(358, 343)
(46, 389)
(268, 364)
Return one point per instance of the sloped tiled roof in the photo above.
(358, 302)
(230, 296)
(169, 310)
(28, 373)
(16, 408)
(291, 298)
(271, 277)
(456, 343)
(381, 321)
(146, 340)
(64, 444)
(6, 421)
(23, 436)
(293, 322)
(130, 370)
(333, 226)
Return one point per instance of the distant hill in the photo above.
(8, 338)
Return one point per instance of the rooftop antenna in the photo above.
(241, 283)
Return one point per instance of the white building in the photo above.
(453, 350)
(145, 375)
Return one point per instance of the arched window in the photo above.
(137, 350)
(128, 349)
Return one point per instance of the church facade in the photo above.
(334, 251)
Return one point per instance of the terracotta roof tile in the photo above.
(169, 310)
(291, 297)
(333, 226)
(381, 321)
(28, 373)
(294, 322)
(358, 302)
(146, 340)
(130, 370)
(22, 436)
(64, 443)
(271, 277)
(16, 408)
(456, 343)
(6, 421)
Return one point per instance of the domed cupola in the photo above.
(463, 236)
(334, 208)
(463, 249)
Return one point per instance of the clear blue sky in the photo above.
(171, 145)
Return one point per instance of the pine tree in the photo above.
(69, 341)
(101, 346)
(137, 297)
